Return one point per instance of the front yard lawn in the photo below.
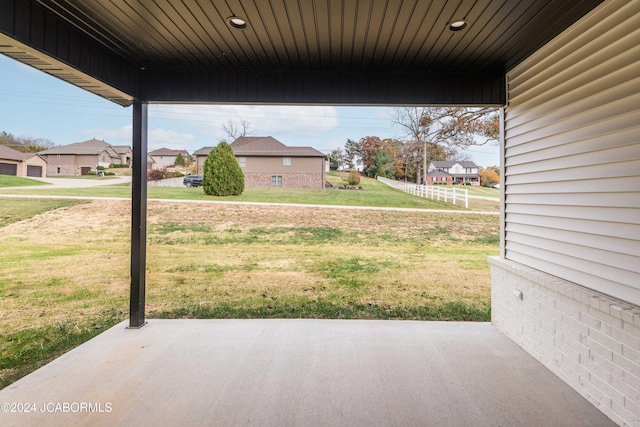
(65, 268)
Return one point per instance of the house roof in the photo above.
(269, 146)
(266, 143)
(168, 152)
(121, 149)
(91, 147)
(437, 172)
(263, 146)
(204, 151)
(9, 153)
(443, 164)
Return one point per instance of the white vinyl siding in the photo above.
(572, 155)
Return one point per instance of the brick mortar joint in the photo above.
(571, 291)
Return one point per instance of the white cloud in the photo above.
(281, 122)
(163, 138)
(157, 138)
(192, 126)
(116, 136)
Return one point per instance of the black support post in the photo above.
(138, 216)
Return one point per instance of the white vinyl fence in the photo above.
(449, 195)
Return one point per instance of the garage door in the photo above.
(34, 171)
(8, 169)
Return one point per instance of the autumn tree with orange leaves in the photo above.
(429, 134)
(440, 133)
(380, 156)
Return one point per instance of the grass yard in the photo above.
(476, 190)
(17, 181)
(14, 210)
(65, 268)
(374, 193)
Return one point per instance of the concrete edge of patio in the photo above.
(297, 372)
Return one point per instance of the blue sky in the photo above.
(37, 105)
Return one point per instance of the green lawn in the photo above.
(476, 190)
(373, 193)
(16, 181)
(14, 210)
(65, 267)
(65, 263)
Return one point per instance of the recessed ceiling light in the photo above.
(457, 25)
(237, 22)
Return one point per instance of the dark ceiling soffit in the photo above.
(34, 36)
(558, 22)
(328, 88)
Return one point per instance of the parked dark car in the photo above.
(192, 180)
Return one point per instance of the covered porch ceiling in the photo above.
(341, 52)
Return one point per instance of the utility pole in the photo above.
(424, 164)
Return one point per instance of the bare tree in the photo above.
(236, 130)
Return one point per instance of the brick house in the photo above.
(437, 176)
(266, 162)
(81, 157)
(16, 163)
(126, 154)
(453, 172)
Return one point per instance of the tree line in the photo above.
(429, 134)
(25, 144)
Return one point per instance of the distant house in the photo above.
(439, 177)
(266, 162)
(126, 154)
(165, 157)
(81, 157)
(453, 172)
(16, 163)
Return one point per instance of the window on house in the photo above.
(276, 181)
(58, 170)
(103, 159)
(286, 161)
(242, 161)
(58, 156)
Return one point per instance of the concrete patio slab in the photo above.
(297, 373)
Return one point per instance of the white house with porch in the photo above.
(462, 172)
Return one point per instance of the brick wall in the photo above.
(590, 340)
(65, 170)
(289, 180)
